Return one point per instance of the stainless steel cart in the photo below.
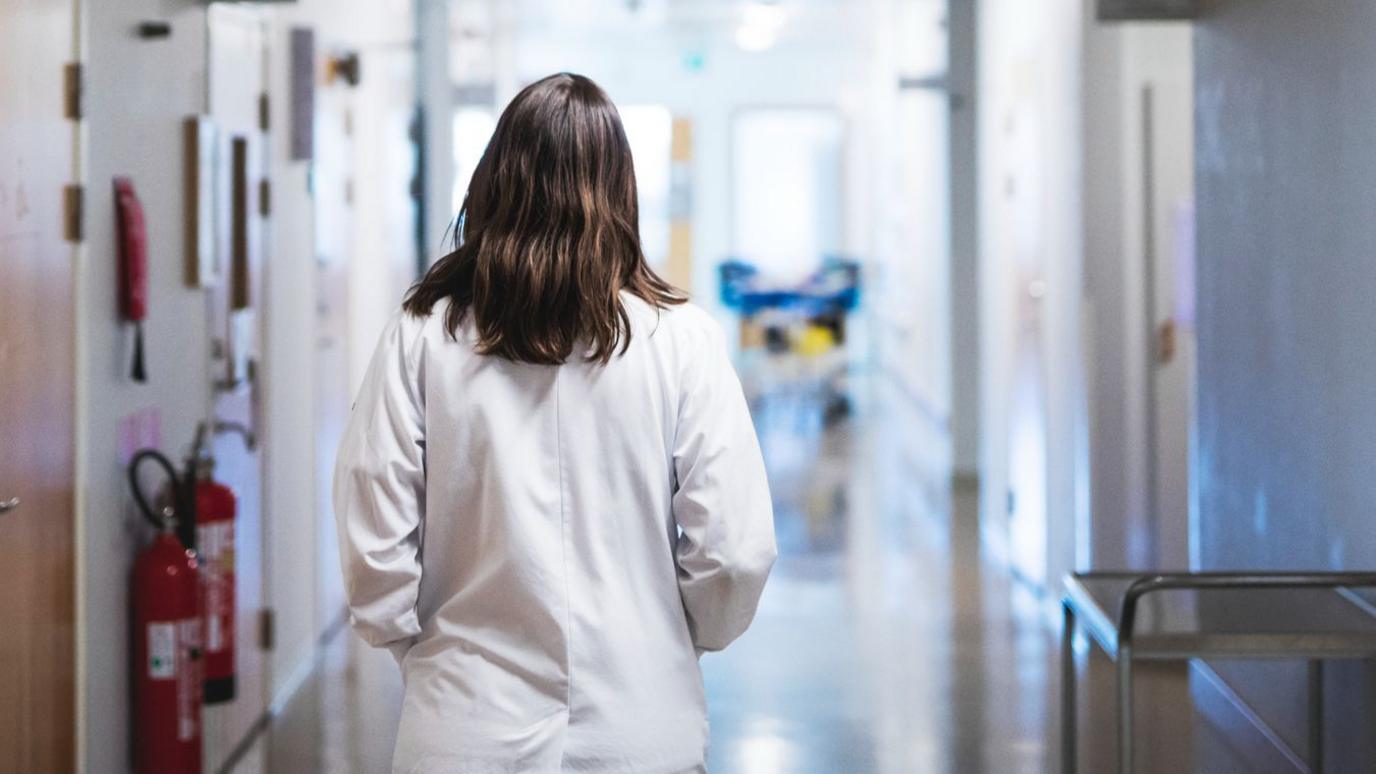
(1181, 616)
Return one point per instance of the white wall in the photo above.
(434, 40)
(909, 143)
(1030, 287)
(290, 301)
(1065, 342)
(1285, 93)
(1138, 516)
(379, 264)
(135, 105)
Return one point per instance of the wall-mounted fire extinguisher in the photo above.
(168, 676)
(215, 513)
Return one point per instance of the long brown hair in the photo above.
(549, 234)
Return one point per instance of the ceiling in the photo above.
(693, 14)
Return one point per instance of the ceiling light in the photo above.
(763, 15)
(755, 39)
(760, 25)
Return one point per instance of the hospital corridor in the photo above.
(419, 323)
(882, 643)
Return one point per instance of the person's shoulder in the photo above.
(417, 333)
(687, 317)
(683, 323)
(694, 331)
(408, 325)
(418, 324)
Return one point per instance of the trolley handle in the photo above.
(1147, 584)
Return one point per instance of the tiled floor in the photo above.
(883, 643)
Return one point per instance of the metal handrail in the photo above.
(1147, 584)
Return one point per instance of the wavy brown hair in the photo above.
(549, 234)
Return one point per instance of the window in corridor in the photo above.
(473, 127)
(650, 128)
(786, 185)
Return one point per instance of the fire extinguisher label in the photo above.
(189, 687)
(215, 641)
(217, 551)
(162, 651)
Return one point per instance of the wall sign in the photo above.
(203, 267)
(302, 130)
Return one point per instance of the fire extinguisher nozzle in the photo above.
(140, 374)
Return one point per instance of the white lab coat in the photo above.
(548, 549)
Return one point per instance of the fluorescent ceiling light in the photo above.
(760, 24)
(755, 39)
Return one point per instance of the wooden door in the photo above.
(37, 614)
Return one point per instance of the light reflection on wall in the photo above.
(787, 188)
(650, 128)
(767, 755)
(472, 128)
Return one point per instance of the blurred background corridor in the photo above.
(1017, 289)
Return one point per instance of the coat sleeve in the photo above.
(379, 494)
(722, 504)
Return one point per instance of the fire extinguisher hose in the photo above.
(163, 522)
(139, 373)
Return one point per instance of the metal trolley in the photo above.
(1219, 615)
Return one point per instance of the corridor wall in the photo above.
(138, 92)
(1139, 186)
(344, 243)
(134, 108)
(910, 142)
(1084, 429)
(1030, 248)
(1285, 91)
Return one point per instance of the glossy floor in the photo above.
(884, 643)
(879, 647)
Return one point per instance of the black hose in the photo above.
(173, 482)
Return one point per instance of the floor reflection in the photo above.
(343, 720)
(882, 643)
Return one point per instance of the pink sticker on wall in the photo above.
(139, 430)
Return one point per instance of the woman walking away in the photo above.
(550, 496)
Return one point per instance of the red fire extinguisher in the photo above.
(167, 640)
(215, 512)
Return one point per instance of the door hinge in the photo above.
(267, 629)
(264, 197)
(72, 76)
(74, 213)
(263, 115)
